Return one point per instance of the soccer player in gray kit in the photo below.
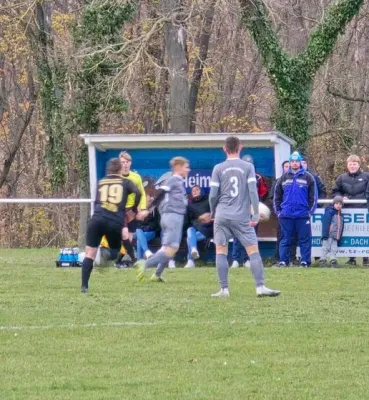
(172, 202)
(232, 192)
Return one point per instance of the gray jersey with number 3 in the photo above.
(234, 178)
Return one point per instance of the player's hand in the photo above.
(253, 223)
(205, 218)
(142, 215)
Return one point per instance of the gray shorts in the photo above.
(171, 229)
(225, 229)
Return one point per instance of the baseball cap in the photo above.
(295, 156)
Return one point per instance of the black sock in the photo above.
(87, 266)
(119, 258)
(129, 249)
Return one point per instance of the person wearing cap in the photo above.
(285, 167)
(295, 200)
(239, 254)
(130, 222)
(353, 185)
(332, 229)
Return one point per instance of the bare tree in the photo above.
(176, 49)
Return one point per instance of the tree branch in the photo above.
(324, 37)
(256, 18)
(337, 93)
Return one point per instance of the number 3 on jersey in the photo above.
(111, 193)
(234, 181)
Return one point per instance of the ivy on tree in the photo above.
(292, 77)
(101, 25)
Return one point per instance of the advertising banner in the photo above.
(355, 240)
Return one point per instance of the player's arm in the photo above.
(253, 191)
(132, 188)
(214, 190)
(143, 201)
(163, 189)
(158, 199)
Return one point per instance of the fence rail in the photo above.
(76, 201)
(44, 201)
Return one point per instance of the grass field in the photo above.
(130, 340)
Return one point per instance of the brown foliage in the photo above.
(234, 95)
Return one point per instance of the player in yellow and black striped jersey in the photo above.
(109, 215)
(126, 161)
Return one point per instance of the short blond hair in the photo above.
(178, 161)
(354, 158)
(125, 155)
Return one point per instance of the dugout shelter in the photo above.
(151, 154)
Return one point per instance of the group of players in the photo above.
(120, 202)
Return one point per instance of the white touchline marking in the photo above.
(157, 323)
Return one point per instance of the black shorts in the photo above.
(99, 227)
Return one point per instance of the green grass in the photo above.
(173, 341)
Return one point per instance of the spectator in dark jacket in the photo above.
(146, 231)
(322, 191)
(295, 200)
(198, 205)
(332, 229)
(260, 182)
(353, 185)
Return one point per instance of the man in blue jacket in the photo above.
(295, 199)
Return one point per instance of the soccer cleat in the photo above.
(365, 262)
(171, 264)
(263, 291)
(84, 289)
(323, 263)
(247, 264)
(235, 264)
(190, 264)
(148, 254)
(303, 264)
(222, 293)
(334, 263)
(140, 265)
(156, 278)
(351, 261)
(194, 253)
(123, 265)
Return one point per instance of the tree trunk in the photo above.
(20, 128)
(176, 49)
(204, 40)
